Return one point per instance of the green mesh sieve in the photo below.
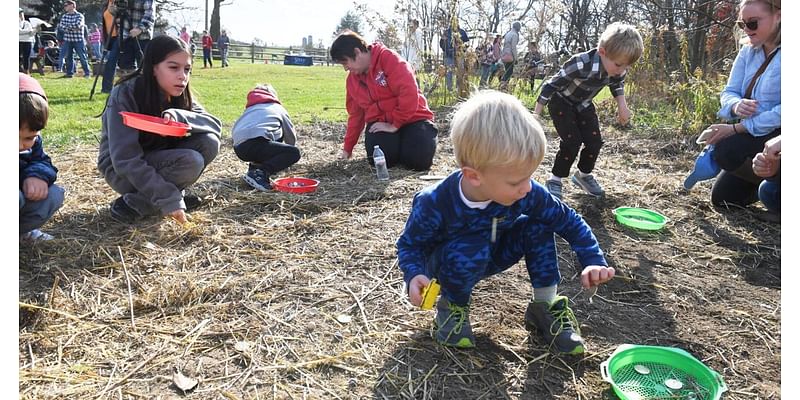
(660, 373)
(658, 383)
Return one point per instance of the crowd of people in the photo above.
(481, 219)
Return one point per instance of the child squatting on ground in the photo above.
(39, 198)
(569, 93)
(151, 172)
(483, 218)
(264, 136)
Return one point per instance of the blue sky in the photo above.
(278, 21)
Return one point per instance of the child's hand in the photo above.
(179, 215)
(343, 155)
(415, 289)
(594, 275)
(34, 189)
(624, 116)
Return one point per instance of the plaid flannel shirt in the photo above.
(72, 25)
(580, 79)
(142, 15)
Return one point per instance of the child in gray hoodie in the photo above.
(150, 172)
(264, 136)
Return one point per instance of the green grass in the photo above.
(310, 94)
(304, 91)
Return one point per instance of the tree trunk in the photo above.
(214, 29)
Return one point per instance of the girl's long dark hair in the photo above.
(148, 95)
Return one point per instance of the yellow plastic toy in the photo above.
(429, 294)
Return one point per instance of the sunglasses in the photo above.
(751, 25)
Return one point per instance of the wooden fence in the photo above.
(268, 55)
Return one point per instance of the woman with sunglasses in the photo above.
(751, 101)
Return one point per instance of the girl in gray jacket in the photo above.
(149, 171)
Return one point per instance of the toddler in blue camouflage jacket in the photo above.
(485, 217)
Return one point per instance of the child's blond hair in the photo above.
(622, 41)
(494, 129)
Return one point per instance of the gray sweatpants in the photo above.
(33, 214)
(181, 166)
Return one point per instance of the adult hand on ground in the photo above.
(35, 189)
(415, 289)
(717, 132)
(765, 167)
(745, 108)
(134, 32)
(343, 155)
(594, 275)
(382, 127)
(179, 215)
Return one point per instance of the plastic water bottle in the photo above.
(380, 164)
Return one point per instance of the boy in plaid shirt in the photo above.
(569, 94)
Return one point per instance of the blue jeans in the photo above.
(462, 262)
(110, 66)
(81, 49)
(33, 214)
(769, 192)
(97, 50)
(62, 56)
(486, 69)
(450, 63)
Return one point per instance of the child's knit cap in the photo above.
(30, 85)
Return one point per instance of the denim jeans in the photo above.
(486, 69)
(33, 214)
(769, 192)
(97, 50)
(450, 63)
(110, 66)
(69, 69)
(81, 49)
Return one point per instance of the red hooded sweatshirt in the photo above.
(388, 93)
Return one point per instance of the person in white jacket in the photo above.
(413, 45)
(27, 35)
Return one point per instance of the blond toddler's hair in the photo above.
(622, 41)
(494, 129)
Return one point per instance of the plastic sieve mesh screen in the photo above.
(655, 384)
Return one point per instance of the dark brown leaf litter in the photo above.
(279, 271)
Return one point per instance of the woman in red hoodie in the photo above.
(382, 94)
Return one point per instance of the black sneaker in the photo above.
(192, 201)
(258, 179)
(122, 212)
(556, 322)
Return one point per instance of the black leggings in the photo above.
(412, 146)
(575, 128)
(737, 184)
(267, 155)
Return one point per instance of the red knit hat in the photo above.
(30, 85)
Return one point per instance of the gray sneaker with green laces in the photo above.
(556, 322)
(451, 326)
(588, 184)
